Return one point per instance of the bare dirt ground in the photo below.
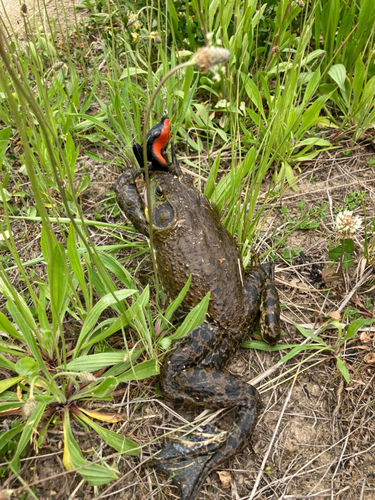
(14, 20)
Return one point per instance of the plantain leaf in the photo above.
(194, 319)
(96, 311)
(95, 362)
(131, 72)
(94, 474)
(5, 363)
(4, 139)
(75, 262)
(141, 371)
(9, 435)
(299, 348)
(343, 369)
(9, 382)
(7, 327)
(117, 441)
(58, 278)
(96, 390)
(338, 74)
(355, 326)
(176, 303)
(30, 426)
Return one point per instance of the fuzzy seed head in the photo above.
(132, 18)
(206, 58)
(347, 223)
(86, 377)
(29, 407)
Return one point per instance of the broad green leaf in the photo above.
(44, 245)
(210, 184)
(313, 141)
(131, 72)
(358, 81)
(297, 349)
(75, 262)
(94, 474)
(335, 324)
(22, 316)
(96, 311)
(4, 139)
(71, 154)
(27, 367)
(260, 345)
(58, 278)
(96, 390)
(355, 326)
(335, 253)
(348, 245)
(343, 369)
(338, 73)
(254, 94)
(7, 327)
(311, 115)
(121, 368)
(94, 362)
(311, 88)
(287, 172)
(194, 319)
(117, 441)
(126, 318)
(141, 371)
(11, 405)
(177, 302)
(30, 426)
(7, 436)
(347, 261)
(118, 270)
(5, 363)
(9, 382)
(309, 333)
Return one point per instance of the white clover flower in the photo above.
(347, 223)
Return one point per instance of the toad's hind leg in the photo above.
(186, 378)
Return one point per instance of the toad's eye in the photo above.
(163, 215)
(159, 190)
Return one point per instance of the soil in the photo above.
(14, 20)
(315, 435)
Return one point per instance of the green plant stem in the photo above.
(147, 177)
(341, 269)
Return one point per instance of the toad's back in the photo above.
(197, 244)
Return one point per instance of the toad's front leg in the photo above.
(130, 202)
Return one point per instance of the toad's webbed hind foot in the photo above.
(184, 459)
(188, 472)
